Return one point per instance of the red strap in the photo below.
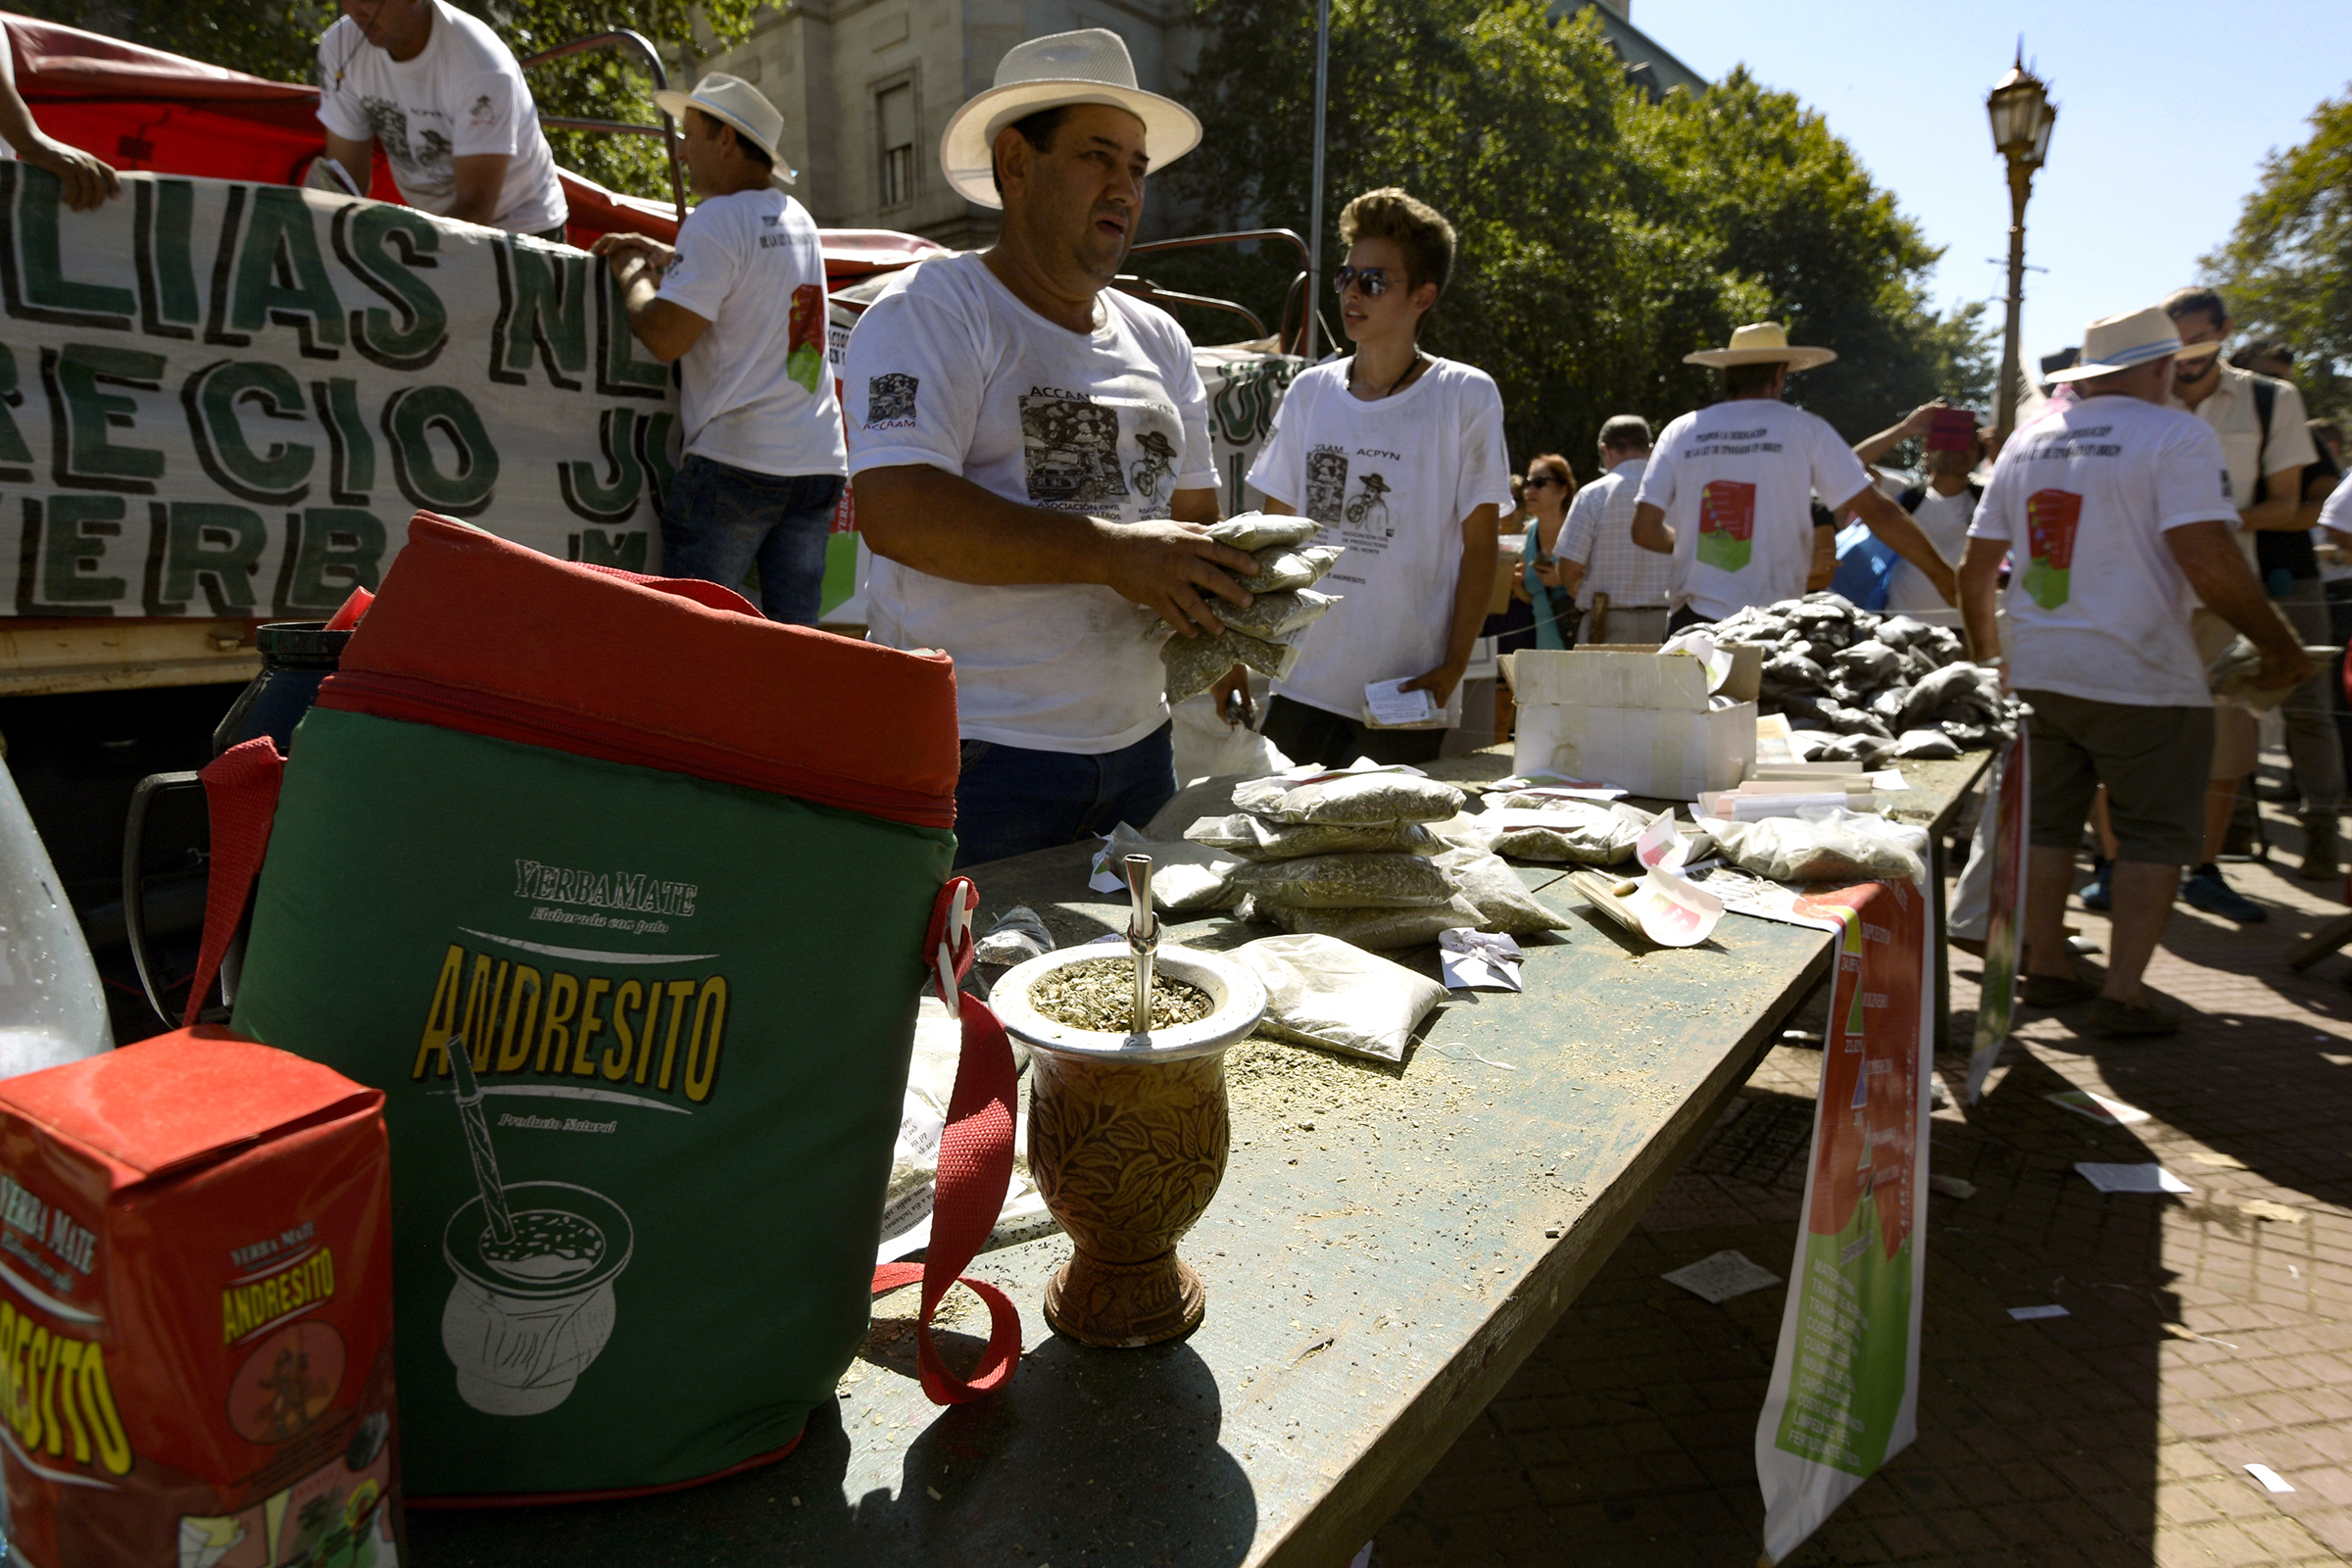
(975, 1165)
(240, 791)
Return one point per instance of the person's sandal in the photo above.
(2123, 1020)
(2056, 990)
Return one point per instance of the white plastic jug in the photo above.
(51, 1010)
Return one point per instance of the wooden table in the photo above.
(1389, 1244)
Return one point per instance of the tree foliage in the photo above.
(1603, 235)
(279, 39)
(2286, 271)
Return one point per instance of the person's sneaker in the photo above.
(2093, 893)
(2323, 853)
(2205, 890)
(2121, 1020)
(2056, 990)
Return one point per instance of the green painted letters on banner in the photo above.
(204, 545)
(215, 398)
(332, 551)
(281, 276)
(462, 487)
(84, 454)
(45, 289)
(366, 238)
(542, 298)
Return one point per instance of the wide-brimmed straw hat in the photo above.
(2119, 342)
(1091, 66)
(737, 103)
(1761, 343)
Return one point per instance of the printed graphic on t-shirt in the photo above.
(890, 401)
(480, 112)
(805, 354)
(1070, 451)
(1368, 510)
(1154, 474)
(1326, 485)
(390, 124)
(2050, 518)
(1727, 524)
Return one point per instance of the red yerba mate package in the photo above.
(196, 1312)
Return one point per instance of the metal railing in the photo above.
(631, 42)
(1298, 293)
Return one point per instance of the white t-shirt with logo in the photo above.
(2336, 513)
(948, 368)
(1736, 483)
(1391, 482)
(2099, 605)
(462, 97)
(1944, 521)
(756, 393)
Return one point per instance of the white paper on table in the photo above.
(1702, 646)
(2096, 1107)
(1720, 1276)
(1566, 790)
(1100, 877)
(1479, 960)
(1661, 847)
(2029, 1314)
(1674, 911)
(1757, 807)
(1386, 702)
(2134, 1178)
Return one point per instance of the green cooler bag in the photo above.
(623, 896)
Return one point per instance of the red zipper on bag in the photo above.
(508, 718)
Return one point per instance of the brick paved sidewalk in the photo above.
(2201, 1335)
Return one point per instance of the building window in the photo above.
(895, 112)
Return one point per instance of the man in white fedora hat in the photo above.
(1030, 451)
(741, 302)
(444, 97)
(1728, 490)
(2115, 514)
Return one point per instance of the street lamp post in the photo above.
(2022, 116)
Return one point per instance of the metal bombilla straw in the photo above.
(1142, 936)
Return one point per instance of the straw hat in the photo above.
(734, 101)
(2119, 342)
(1762, 343)
(1091, 66)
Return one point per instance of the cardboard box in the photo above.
(1636, 719)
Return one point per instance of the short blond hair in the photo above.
(1418, 229)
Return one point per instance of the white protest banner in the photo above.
(226, 398)
(2009, 797)
(1844, 1392)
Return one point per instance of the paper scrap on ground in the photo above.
(2272, 1480)
(1479, 960)
(1722, 1276)
(2131, 1178)
(1554, 787)
(1661, 847)
(2029, 1314)
(1952, 1186)
(1102, 876)
(2096, 1107)
(1388, 703)
(2264, 1208)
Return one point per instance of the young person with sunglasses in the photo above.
(1399, 455)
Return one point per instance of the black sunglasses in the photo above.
(1540, 480)
(1375, 280)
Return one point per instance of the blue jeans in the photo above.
(1011, 799)
(718, 519)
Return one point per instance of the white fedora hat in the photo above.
(1761, 343)
(2119, 342)
(737, 103)
(1091, 66)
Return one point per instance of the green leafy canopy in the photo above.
(279, 39)
(2286, 271)
(1603, 234)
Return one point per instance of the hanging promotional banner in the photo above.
(2009, 796)
(1845, 1387)
(226, 398)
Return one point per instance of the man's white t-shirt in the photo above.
(1944, 519)
(1391, 482)
(462, 96)
(756, 393)
(946, 368)
(2099, 605)
(2336, 513)
(1736, 483)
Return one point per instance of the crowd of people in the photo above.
(1030, 453)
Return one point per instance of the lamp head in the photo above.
(2022, 116)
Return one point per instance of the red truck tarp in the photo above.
(143, 108)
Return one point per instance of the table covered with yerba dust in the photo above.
(1389, 1244)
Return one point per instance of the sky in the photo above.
(2165, 113)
